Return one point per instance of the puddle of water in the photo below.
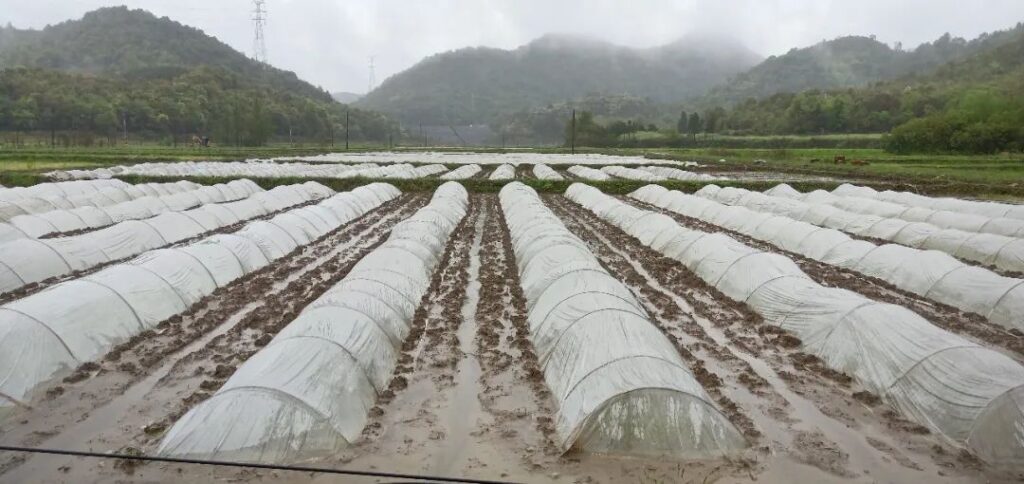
(465, 400)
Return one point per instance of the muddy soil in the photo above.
(29, 289)
(971, 325)
(823, 409)
(468, 397)
(129, 398)
(423, 422)
(524, 171)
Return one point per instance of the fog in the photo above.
(330, 42)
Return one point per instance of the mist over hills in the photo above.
(486, 85)
(169, 80)
(346, 97)
(475, 85)
(846, 62)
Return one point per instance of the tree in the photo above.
(588, 132)
(682, 123)
(694, 125)
(201, 101)
(713, 119)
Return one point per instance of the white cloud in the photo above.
(329, 42)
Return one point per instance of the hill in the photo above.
(135, 44)
(477, 85)
(84, 81)
(846, 62)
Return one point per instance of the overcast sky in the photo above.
(329, 42)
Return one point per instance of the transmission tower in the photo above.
(373, 76)
(259, 19)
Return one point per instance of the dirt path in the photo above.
(129, 398)
(825, 428)
(970, 325)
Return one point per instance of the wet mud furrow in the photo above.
(514, 392)
(829, 423)
(971, 325)
(410, 424)
(524, 171)
(132, 395)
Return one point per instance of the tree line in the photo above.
(75, 109)
(948, 117)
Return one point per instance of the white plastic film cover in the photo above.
(307, 393)
(983, 208)
(60, 196)
(545, 172)
(79, 320)
(677, 174)
(503, 172)
(463, 172)
(631, 394)
(988, 249)
(588, 173)
(934, 377)
(249, 169)
(929, 273)
(27, 260)
(958, 216)
(632, 173)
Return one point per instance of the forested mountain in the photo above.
(846, 62)
(477, 85)
(135, 44)
(76, 109)
(974, 104)
(89, 78)
(993, 71)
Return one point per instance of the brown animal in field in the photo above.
(839, 160)
(859, 163)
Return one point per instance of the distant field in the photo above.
(35, 158)
(979, 175)
(989, 175)
(652, 139)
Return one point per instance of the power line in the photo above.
(223, 463)
(259, 19)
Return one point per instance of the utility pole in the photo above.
(573, 143)
(346, 129)
(259, 18)
(124, 125)
(373, 77)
